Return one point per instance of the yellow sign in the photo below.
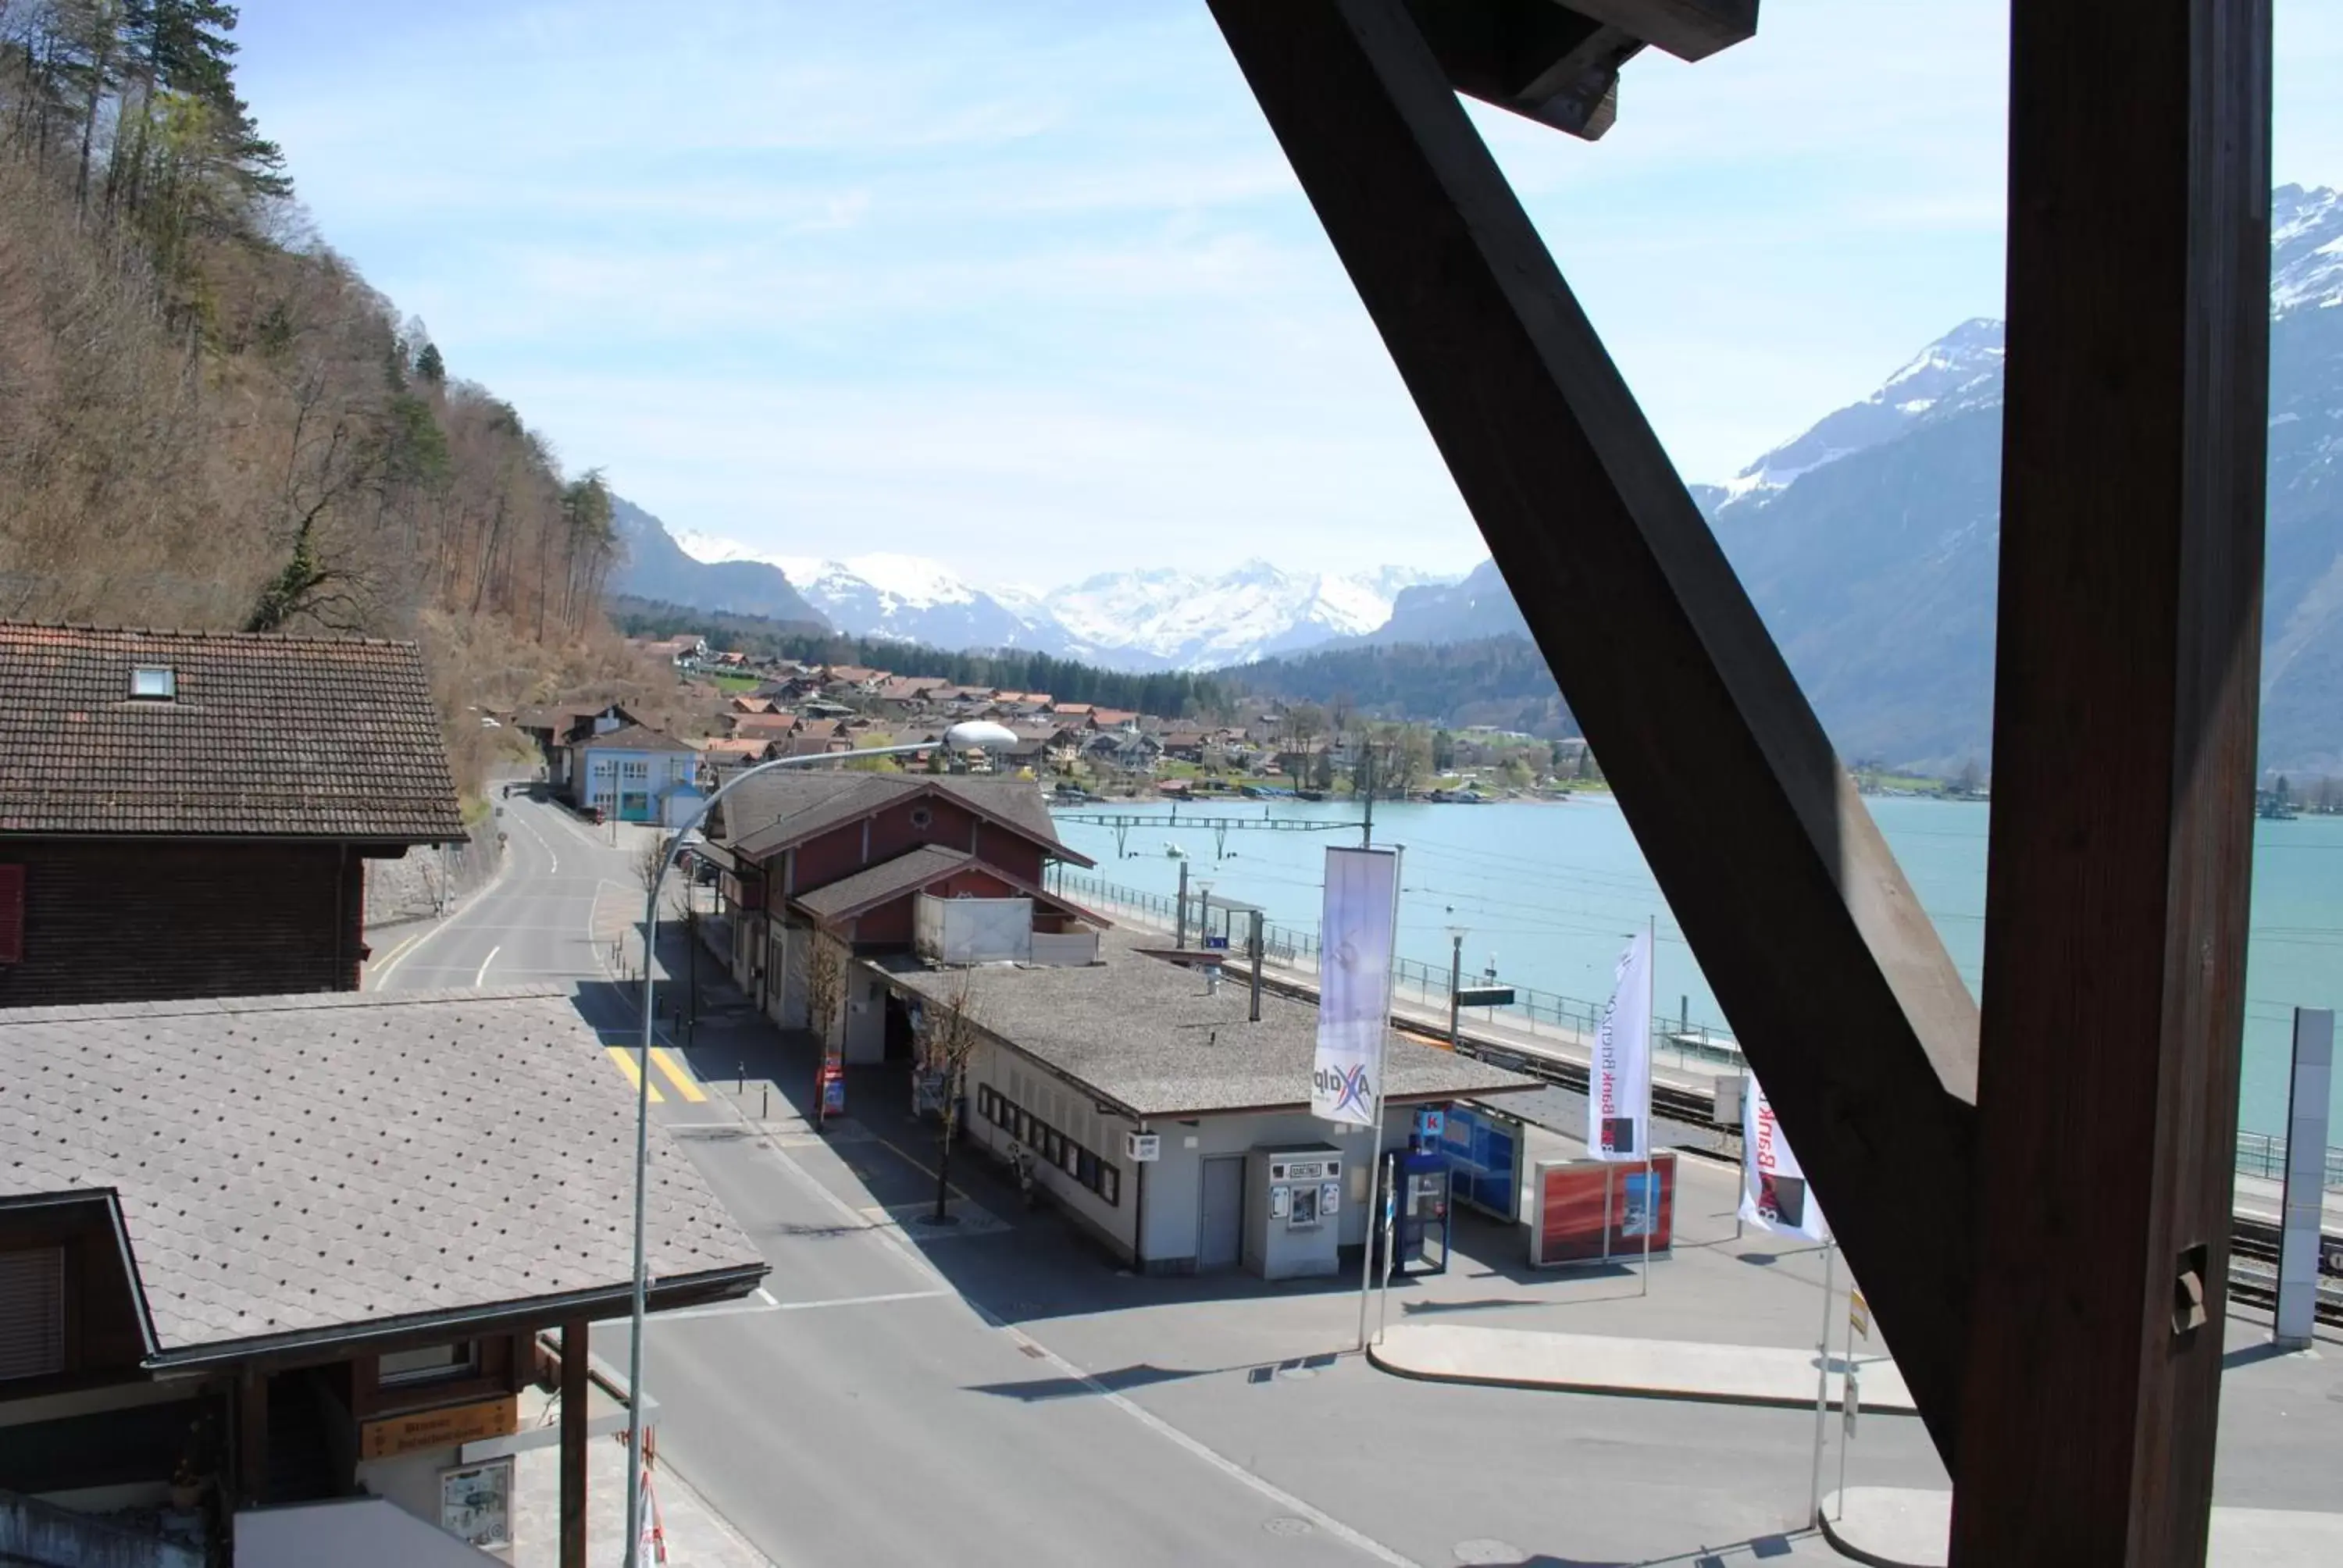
(1858, 1315)
(398, 1434)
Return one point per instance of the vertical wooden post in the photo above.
(575, 1339)
(251, 1437)
(2124, 725)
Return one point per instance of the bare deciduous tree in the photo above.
(949, 1034)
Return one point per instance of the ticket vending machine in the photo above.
(1293, 1197)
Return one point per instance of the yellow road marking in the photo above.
(625, 1060)
(675, 1073)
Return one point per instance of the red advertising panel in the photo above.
(1589, 1211)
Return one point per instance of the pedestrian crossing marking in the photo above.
(678, 1074)
(625, 1060)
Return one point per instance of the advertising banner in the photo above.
(1592, 1211)
(1354, 978)
(1773, 1191)
(1619, 1087)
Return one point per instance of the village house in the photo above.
(557, 730)
(189, 814)
(688, 648)
(856, 860)
(636, 774)
(766, 725)
(301, 1263)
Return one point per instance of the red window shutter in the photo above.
(12, 914)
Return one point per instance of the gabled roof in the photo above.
(264, 735)
(767, 814)
(912, 871)
(329, 1165)
(632, 738)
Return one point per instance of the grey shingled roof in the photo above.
(1144, 1034)
(298, 1165)
(914, 869)
(786, 807)
(888, 880)
(308, 737)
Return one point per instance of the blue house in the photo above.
(636, 774)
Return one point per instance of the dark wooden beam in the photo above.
(577, 1341)
(1835, 980)
(1532, 56)
(2125, 694)
(251, 1437)
(1688, 29)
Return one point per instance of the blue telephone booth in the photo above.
(1419, 1197)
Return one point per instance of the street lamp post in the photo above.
(977, 735)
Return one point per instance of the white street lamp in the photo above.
(974, 735)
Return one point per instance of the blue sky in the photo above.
(1028, 286)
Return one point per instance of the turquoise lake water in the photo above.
(1548, 893)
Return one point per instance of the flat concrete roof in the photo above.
(1148, 1036)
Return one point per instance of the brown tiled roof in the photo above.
(632, 738)
(270, 735)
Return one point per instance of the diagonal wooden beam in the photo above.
(1835, 984)
(2124, 711)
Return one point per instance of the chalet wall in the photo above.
(119, 919)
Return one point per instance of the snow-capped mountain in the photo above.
(1158, 618)
(894, 596)
(1870, 543)
(1951, 373)
(1170, 619)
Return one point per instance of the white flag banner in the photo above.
(1619, 1090)
(1354, 981)
(1773, 1191)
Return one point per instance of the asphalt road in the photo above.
(858, 1417)
(1002, 1395)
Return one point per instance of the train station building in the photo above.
(1167, 1109)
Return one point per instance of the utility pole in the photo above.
(1366, 772)
(1179, 928)
(1254, 943)
(1456, 979)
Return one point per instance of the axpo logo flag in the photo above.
(1354, 978)
(1773, 1186)
(1619, 1090)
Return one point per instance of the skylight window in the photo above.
(154, 683)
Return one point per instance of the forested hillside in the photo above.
(208, 419)
(1495, 680)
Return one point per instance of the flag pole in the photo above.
(1822, 1380)
(1651, 1195)
(1372, 1217)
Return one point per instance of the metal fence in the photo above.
(2263, 1154)
(1692, 1046)
(1547, 1015)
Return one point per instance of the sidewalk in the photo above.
(1644, 1369)
(1902, 1527)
